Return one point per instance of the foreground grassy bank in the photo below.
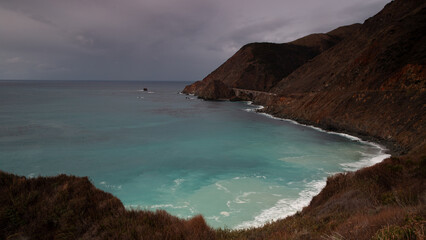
(385, 201)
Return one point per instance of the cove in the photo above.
(158, 149)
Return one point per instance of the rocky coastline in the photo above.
(366, 80)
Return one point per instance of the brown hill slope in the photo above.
(368, 80)
(67, 207)
(386, 201)
(259, 66)
(370, 84)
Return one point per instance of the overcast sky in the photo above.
(153, 39)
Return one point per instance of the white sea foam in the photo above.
(310, 126)
(243, 198)
(220, 187)
(256, 108)
(142, 90)
(179, 181)
(31, 175)
(238, 178)
(364, 162)
(111, 186)
(161, 206)
(286, 206)
(226, 214)
(216, 218)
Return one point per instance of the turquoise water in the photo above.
(163, 150)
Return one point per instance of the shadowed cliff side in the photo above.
(259, 66)
(371, 84)
(365, 79)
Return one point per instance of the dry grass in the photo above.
(66, 207)
(386, 201)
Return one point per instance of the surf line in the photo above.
(287, 207)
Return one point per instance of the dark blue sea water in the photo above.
(159, 149)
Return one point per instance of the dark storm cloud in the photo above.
(152, 39)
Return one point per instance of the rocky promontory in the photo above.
(365, 79)
(260, 66)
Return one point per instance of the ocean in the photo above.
(159, 149)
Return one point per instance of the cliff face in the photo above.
(367, 79)
(260, 66)
(370, 84)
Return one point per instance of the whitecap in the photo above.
(169, 205)
(243, 198)
(162, 206)
(179, 181)
(220, 187)
(31, 175)
(226, 214)
(111, 186)
(216, 218)
(286, 206)
(364, 162)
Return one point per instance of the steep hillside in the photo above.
(386, 201)
(67, 207)
(370, 84)
(365, 79)
(259, 66)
